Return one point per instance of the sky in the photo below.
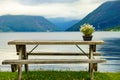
(71, 9)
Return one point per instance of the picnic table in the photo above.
(21, 47)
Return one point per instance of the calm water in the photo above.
(110, 50)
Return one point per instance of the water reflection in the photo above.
(111, 51)
(111, 47)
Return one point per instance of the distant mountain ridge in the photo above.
(62, 22)
(105, 16)
(25, 23)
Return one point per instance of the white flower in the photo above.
(87, 29)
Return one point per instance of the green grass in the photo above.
(59, 75)
(117, 28)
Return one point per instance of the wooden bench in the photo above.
(21, 49)
(51, 61)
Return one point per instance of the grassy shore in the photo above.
(59, 75)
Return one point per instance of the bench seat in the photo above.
(18, 63)
(52, 61)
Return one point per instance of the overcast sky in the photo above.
(74, 9)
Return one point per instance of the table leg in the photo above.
(91, 50)
(21, 50)
(14, 67)
(95, 65)
(91, 72)
(19, 72)
(26, 65)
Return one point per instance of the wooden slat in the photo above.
(55, 42)
(52, 61)
(62, 53)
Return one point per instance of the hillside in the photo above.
(117, 28)
(105, 16)
(23, 23)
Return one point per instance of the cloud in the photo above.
(38, 2)
(71, 9)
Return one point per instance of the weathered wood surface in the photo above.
(52, 61)
(23, 55)
(62, 53)
(91, 66)
(54, 42)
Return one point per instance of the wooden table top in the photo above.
(55, 42)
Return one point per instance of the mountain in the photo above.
(63, 23)
(24, 23)
(105, 16)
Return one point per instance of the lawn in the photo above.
(59, 75)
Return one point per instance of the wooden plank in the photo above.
(19, 72)
(62, 53)
(55, 42)
(91, 67)
(52, 61)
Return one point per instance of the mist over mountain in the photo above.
(63, 23)
(25, 23)
(105, 16)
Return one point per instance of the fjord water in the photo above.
(110, 50)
